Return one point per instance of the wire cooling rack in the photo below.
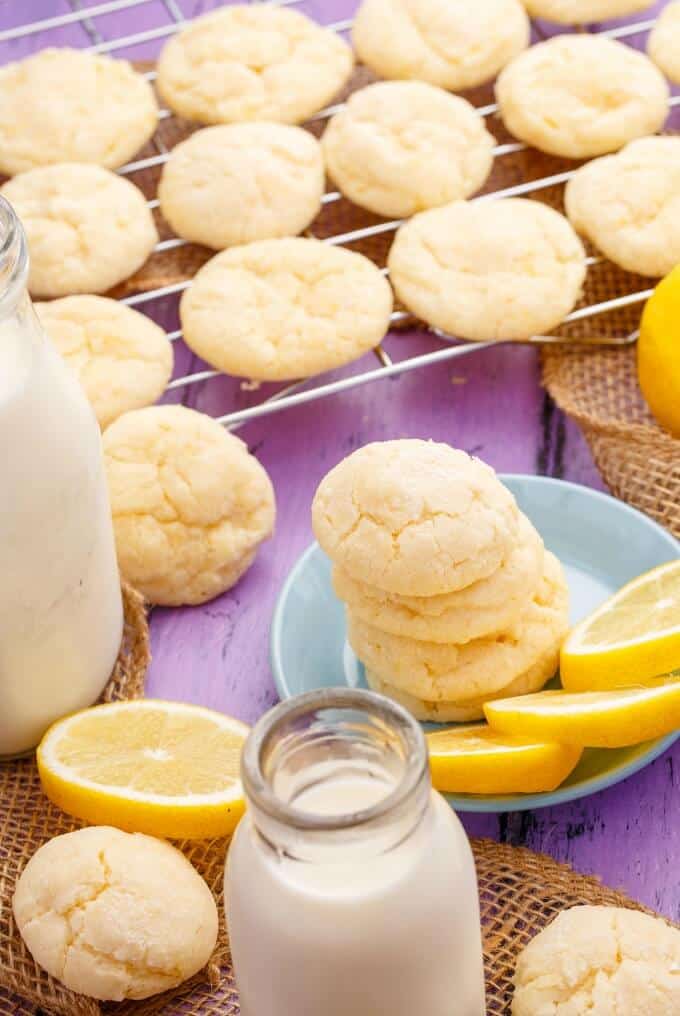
(173, 18)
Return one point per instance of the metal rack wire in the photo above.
(291, 395)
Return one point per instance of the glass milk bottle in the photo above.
(61, 614)
(350, 885)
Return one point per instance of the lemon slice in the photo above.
(632, 637)
(595, 719)
(162, 768)
(478, 760)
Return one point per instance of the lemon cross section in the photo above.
(632, 637)
(595, 719)
(164, 768)
(478, 760)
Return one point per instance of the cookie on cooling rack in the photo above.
(457, 44)
(664, 42)
(628, 205)
(190, 504)
(582, 12)
(521, 275)
(87, 228)
(399, 147)
(236, 183)
(252, 62)
(581, 95)
(122, 358)
(283, 309)
(65, 105)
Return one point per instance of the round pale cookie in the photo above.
(414, 517)
(471, 709)
(122, 358)
(455, 673)
(452, 43)
(604, 961)
(520, 277)
(399, 147)
(190, 504)
(487, 607)
(582, 95)
(115, 915)
(87, 228)
(583, 12)
(283, 309)
(663, 45)
(628, 205)
(252, 62)
(66, 105)
(237, 183)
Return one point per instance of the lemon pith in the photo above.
(658, 352)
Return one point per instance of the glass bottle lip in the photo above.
(13, 256)
(264, 799)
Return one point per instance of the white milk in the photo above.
(391, 933)
(60, 604)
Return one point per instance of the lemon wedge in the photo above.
(163, 768)
(658, 352)
(591, 719)
(632, 637)
(478, 760)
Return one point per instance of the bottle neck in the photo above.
(336, 773)
(13, 262)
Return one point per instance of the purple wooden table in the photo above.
(489, 403)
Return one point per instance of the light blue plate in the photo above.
(602, 543)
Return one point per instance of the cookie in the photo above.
(122, 358)
(601, 961)
(520, 277)
(663, 45)
(190, 504)
(583, 12)
(452, 43)
(456, 673)
(487, 607)
(413, 517)
(628, 205)
(398, 147)
(256, 62)
(283, 309)
(237, 183)
(66, 105)
(87, 228)
(581, 95)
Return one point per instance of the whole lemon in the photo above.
(659, 352)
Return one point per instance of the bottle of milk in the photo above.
(61, 614)
(350, 885)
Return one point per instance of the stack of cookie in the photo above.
(452, 599)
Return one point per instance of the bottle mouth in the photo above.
(355, 731)
(13, 256)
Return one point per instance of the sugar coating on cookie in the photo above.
(604, 961)
(581, 95)
(283, 309)
(414, 517)
(122, 358)
(486, 607)
(66, 105)
(455, 673)
(87, 228)
(456, 44)
(663, 45)
(257, 62)
(628, 205)
(484, 270)
(398, 147)
(237, 183)
(115, 915)
(582, 12)
(190, 504)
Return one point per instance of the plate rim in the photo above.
(495, 804)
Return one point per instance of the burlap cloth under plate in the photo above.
(520, 891)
